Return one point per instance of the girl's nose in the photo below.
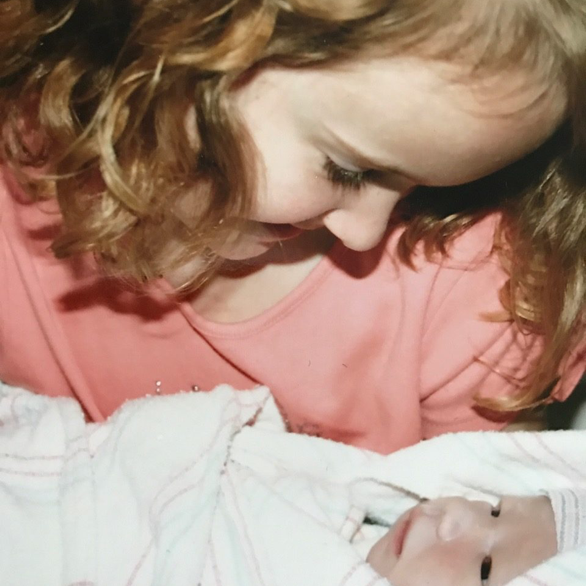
(355, 234)
(362, 224)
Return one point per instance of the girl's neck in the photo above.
(243, 290)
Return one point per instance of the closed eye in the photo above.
(496, 511)
(485, 568)
(486, 565)
(345, 178)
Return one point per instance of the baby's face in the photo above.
(457, 542)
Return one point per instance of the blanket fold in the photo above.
(209, 489)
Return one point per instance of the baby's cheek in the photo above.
(437, 566)
(381, 557)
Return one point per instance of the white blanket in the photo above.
(208, 489)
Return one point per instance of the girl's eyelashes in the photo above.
(485, 568)
(345, 178)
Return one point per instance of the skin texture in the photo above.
(444, 542)
(422, 121)
(403, 121)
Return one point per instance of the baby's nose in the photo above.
(453, 520)
(450, 528)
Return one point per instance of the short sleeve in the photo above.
(466, 354)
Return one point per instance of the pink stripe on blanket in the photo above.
(214, 561)
(139, 563)
(18, 458)
(189, 467)
(536, 581)
(33, 473)
(228, 475)
(350, 573)
(521, 448)
(375, 580)
(565, 465)
(156, 508)
(352, 522)
(579, 473)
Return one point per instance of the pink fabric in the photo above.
(365, 351)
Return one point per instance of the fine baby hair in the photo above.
(122, 111)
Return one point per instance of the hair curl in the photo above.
(95, 95)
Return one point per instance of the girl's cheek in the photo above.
(295, 201)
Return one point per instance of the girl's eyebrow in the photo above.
(371, 163)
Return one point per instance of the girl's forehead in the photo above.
(505, 92)
(406, 112)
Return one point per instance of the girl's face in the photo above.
(456, 542)
(338, 148)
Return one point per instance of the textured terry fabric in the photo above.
(209, 489)
(365, 351)
(569, 507)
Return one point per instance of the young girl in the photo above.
(251, 154)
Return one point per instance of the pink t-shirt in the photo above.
(365, 350)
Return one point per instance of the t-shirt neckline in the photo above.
(271, 315)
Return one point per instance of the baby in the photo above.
(210, 488)
(458, 542)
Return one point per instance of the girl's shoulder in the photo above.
(471, 248)
(467, 251)
(475, 244)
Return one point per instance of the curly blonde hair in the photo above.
(95, 95)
